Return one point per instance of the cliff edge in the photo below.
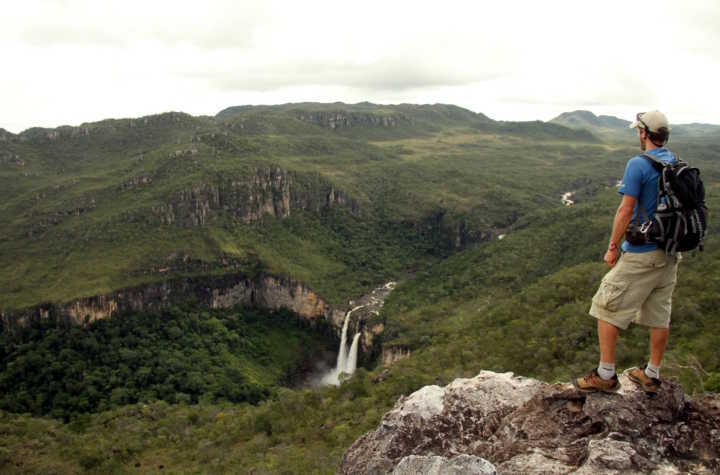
(501, 423)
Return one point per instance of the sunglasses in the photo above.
(641, 121)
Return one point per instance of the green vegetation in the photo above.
(175, 356)
(531, 319)
(466, 301)
(81, 205)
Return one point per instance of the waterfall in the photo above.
(352, 355)
(346, 358)
(342, 352)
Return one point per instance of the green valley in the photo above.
(494, 272)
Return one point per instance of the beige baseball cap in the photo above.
(653, 120)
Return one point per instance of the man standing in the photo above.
(640, 284)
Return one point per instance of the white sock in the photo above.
(606, 370)
(652, 371)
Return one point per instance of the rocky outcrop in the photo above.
(224, 291)
(365, 317)
(436, 465)
(451, 232)
(274, 292)
(7, 157)
(391, 354)
(43, 220)
(135, 182)
(270, 190)
(521, 425)
(342, 119)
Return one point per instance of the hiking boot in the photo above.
(649, 385)
(592, 382)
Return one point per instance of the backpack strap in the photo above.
(655, 164)
(663, 187)
(641, 209)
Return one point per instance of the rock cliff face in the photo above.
(224, 291)
(366, 320)
(521, 425)
(269, 191)
(452, 232)
(392, 354)
(272, 190)
(343, 119)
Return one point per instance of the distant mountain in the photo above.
(696, 130)
(4, 134)
(611, 127)
(416, 112)
(370, 120)
(583, 119)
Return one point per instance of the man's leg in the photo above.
(658, 341)
(607, 337)
(603, 378)
(613, 305)
(649, 378)
(655, 313)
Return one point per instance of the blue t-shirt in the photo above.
(640, 182)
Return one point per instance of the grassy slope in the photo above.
(448, 162)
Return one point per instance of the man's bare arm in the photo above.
(622, 219)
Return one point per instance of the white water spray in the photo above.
(352, 355)
(346, 358)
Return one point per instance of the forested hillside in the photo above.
(494, 273)
(339, 197)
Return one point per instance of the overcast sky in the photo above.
(74, 61)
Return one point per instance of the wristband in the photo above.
(612, 246)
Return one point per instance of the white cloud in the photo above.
(80, 60)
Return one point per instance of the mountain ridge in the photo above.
(586, 118)
(449, 112)
(571, 119)
(614, 128)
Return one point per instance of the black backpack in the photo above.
(680, 221)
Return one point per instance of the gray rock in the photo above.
(435, 465)
(521, 425)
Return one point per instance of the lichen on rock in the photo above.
(436, 465)
(522, 425)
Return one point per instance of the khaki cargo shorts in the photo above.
(637, 290)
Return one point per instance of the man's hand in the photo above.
(611, 256)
